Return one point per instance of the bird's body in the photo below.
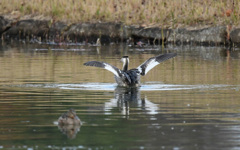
(131, 78)
(128, 78)
(69, 118)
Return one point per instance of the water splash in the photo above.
(145, 87)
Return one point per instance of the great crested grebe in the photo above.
(131, 78)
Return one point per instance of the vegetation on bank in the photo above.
(168, 13)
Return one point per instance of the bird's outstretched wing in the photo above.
(104, 65)
(154, 61)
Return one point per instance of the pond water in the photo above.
(189, 102)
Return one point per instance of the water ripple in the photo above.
(145, 87)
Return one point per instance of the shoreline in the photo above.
(39, 30)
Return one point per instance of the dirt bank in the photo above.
(48, 31)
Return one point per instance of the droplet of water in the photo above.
(176, 148)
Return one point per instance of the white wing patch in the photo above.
(151, 65)
(154, 61)
(147, 66)
(139, 69)
(104, 65)
(110, 68)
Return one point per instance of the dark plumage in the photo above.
(131, 77)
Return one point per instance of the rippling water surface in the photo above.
(189, 102)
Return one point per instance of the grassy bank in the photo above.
(168, 13)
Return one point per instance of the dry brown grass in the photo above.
(169, 13)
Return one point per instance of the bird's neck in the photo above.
(125, 64)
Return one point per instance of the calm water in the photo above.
(189, 102)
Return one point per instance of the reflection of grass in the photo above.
(150, 12)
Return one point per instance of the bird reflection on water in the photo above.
(125, 98)
(69, 130)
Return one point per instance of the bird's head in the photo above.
(124, 59)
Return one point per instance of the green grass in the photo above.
(167, 13)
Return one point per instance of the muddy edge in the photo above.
(46, 30)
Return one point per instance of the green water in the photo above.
(189, 102)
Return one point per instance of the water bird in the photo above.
(98, 43)
(131, 78)
(69, 118)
